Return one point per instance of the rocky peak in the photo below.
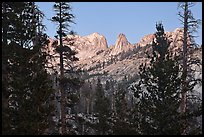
(97, 40)
(121, 45)
(146, 40)
(121, 41)
(118, 60)
(95, 34)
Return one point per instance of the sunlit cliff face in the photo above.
(116, 61)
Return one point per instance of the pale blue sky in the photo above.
(134, 19)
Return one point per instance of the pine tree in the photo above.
(26, 83)
(157, 92)
(189, 81)
(63, 18)
(102, 109)
(122, 118)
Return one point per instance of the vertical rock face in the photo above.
(93, 51)
(90, 45)
(121, 41)
(121, 45)
(97, 41)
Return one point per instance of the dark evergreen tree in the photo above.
(26, 84)
(69, 82)
(158, 90)
(102, 109)
(122, 118)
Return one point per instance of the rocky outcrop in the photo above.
(97, 40)
(121, 41)
(146, 40)
(117, 60)
(96, 43)
(175, 38)
(91, 44)
(121, 45)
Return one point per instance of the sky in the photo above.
(134, 19)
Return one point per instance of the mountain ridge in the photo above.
(116, 61)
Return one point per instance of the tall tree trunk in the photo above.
(184, 75)
(63, 126)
